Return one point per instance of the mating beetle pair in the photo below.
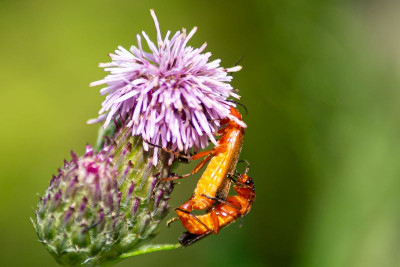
(214, 184)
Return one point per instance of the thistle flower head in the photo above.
(173, 96)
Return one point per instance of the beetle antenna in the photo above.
(247, 167)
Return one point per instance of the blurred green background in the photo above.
(320, 80)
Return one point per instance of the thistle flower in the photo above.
(173, 96)
(103, 205)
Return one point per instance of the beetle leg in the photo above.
(209, 154)
(174, 219)
(179, 155)
(220, 200)
(195, 170)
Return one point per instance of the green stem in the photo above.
(149, 249)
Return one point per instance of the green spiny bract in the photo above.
(103, 204)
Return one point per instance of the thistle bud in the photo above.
(78, 217)
(103, 204)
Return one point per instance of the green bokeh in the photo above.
(322, 138)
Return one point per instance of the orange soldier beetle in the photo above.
(214, 183)
(221, 215)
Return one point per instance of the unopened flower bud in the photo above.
(77, 218)
(103, 204)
